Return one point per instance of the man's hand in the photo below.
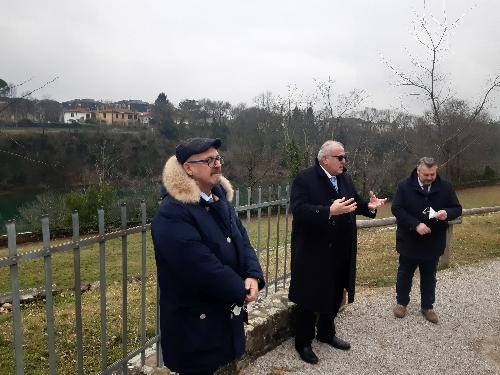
(342, 206)
(252, 288)
(375, 202)
(441, 215)
(422, 229)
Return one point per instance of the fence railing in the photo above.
(75, 246)
(266, 219)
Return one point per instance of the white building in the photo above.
(76, 115)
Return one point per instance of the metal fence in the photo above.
(267, 210)
(265, 215)
(75, 246)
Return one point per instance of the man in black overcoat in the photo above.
(423, 205)
(324, 204)
(207, 268)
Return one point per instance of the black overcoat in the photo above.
(323, 249)
(410, 206)
(200, 274)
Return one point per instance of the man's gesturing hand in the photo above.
(342, 206)
(375, 202)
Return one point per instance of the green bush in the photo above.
(48, 203)
(89, 201)
(296, 159)
(59, 207)
(489, 174)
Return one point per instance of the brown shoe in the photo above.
(430, 315)
(400, 311)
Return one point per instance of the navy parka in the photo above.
(203, 255)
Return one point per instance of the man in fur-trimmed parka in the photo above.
(207, 268)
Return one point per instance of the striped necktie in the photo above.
(333, 180)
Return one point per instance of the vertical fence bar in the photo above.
(259, 215)
(249, 201)
(237, 198)
(78, 293)
(102, 290)
(16, 299)
(49, 299)
(124, 287)
(159, 355)
(268, 237)
(287, 205)
(143, 283)
(277, 240)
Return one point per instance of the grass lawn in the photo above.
(476, 239)
(35, 330)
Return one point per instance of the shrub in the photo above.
(490, 174)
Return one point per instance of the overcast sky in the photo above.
(235, 50)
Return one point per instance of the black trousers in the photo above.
(406, 270)
(307, 321)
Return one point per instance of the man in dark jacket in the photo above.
(324, 204)
(423, 205)
(207, 269)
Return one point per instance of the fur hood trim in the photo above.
(182, 187)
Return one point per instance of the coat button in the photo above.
(228, 240)
(317, 211)
(202, 316)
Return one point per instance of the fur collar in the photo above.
(182, 187)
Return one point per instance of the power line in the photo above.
(56, 165)
(29, 93)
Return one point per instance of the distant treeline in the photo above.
(264, 143)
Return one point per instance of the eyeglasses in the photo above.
(339, 157)
(211, 162)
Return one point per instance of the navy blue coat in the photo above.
(201, 275)
(323, 249)
(408, 207)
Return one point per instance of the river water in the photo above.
(11, 201)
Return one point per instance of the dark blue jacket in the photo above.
(203, 255)
(408, 206)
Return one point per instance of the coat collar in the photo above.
(183, 188)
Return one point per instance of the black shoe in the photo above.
(307, 355)
(337, 343)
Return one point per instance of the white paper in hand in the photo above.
(432, 213)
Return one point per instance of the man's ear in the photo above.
(187, 169)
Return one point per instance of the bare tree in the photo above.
(334, 109)
(12, 88)
(427, 80)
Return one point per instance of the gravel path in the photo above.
(465, 341)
